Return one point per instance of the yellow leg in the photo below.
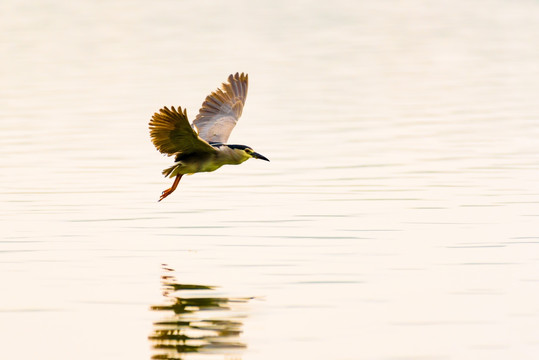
(167, 192)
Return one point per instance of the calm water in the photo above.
(398, 217)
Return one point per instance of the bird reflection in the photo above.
(197, 321)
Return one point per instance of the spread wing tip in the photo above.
(243, 77)
(166, 111)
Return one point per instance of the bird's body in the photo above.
(206, 150)
(207, 162)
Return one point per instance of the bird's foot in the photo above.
(166, 193)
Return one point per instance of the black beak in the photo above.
(258, 156)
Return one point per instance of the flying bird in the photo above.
(201, 147)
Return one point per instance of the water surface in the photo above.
(398, 218)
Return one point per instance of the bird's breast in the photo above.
(194, 163)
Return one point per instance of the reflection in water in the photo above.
(197, 321)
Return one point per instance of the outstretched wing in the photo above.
(171, 133)
(222, 109)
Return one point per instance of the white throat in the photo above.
(231, 156)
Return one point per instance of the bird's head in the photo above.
(247, 152)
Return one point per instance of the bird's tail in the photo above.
(169, 170)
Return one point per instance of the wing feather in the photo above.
(222, 108)
(171, 133)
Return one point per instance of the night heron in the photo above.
(201, 147)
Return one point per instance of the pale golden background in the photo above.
(398, 218)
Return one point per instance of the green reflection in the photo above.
(197, 321)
